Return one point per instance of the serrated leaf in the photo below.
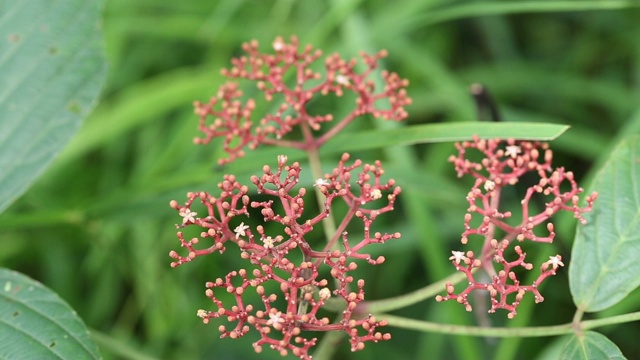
(35, 323)
(604, 267)
(52, 67)
(431, 133)
(590, 345)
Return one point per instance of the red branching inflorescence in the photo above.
(503, 164)
(287, 76)
(233, 201)
(281, 295)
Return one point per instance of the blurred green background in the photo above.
(97, 227)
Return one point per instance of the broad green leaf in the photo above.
(604, 267)
(140, 103)
(52, 67)
(553, 347)
(590, 345)
(35, 323)
(430, 133)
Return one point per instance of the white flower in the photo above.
(458, 256)
(324, 293)
(376, 194)
(188, 215)
(268, 242)
(278, 45)
(275, 318)
(555, 261)
(489, 185)
(321, 182)
(202, 313)
(240, 230)
(342, 80)
(513, 151)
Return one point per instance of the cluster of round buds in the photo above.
(505, 289)
(213, 220)
(290, 291)
(226, 115)
(503, 163)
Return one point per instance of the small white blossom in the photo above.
(376, 194)
(321, 182)
(240, 230)
(268, 242)
(282, 159)
(458, 256)
(489, 185)
(275, 318)
(555, 261)
(513, 151)
(324, 293)
(278, 45)
(342, 80)
(188, 215)
(202, 313)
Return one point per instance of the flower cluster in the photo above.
(503, 164)
(286, 281)
(288, 79)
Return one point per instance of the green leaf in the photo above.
(590, 345)
(140, 103)
(35, 323)
(430, 133)
(468, 10)
(52, 67)
(604, 267)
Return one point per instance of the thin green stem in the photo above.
(578, 316)
(537, 331)
(618, 319)
(414, 297)
(398, 302)
(328, 224)
(407, 323)
(327, 346)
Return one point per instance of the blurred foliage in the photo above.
(97, 228)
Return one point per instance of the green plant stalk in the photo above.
(401, 301)
(578, 315)
(326, 346)
(536, 331)
(514, 7)
(328, 224)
